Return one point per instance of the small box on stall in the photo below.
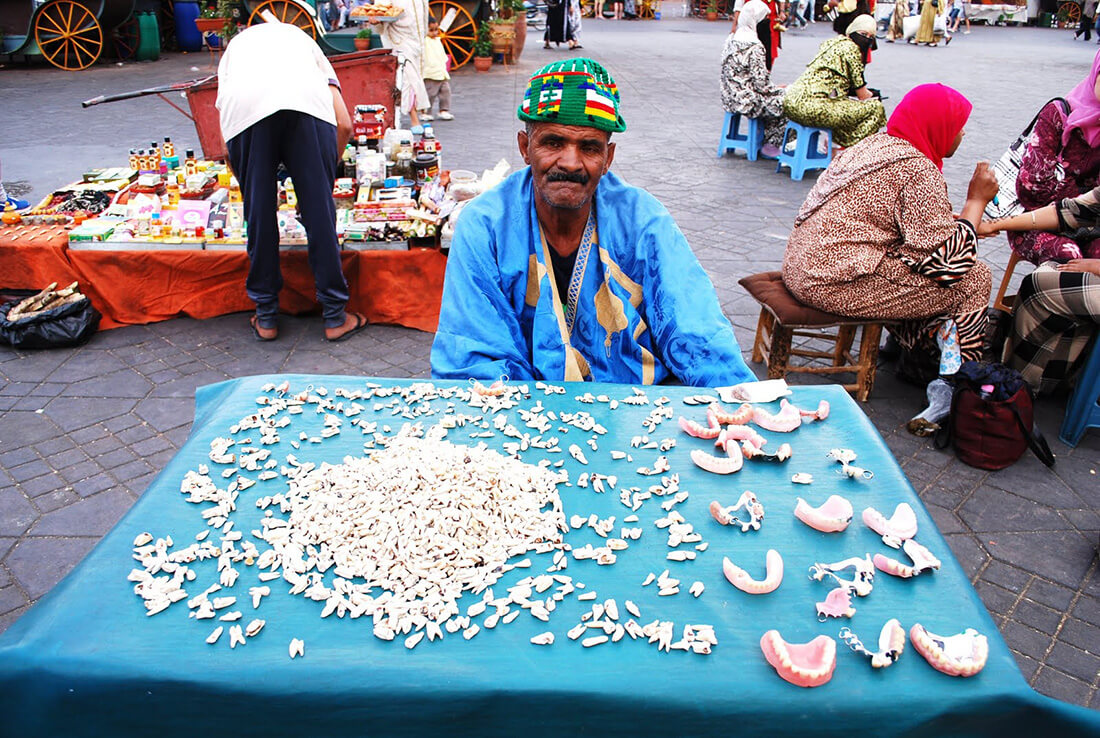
(95, 230)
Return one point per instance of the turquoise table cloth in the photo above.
(86, 660)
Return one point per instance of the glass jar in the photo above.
(464, 185)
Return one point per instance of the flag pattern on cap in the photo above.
(576, 92)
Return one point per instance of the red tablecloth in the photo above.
(136, 287)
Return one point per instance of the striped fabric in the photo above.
(1056, 316)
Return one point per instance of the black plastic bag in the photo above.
(65, 325)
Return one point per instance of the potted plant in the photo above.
(483, 48)
(712, 10)
(502, 32)
(217, 18)
(362, 39)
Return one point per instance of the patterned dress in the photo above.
(1056, 313)
(876, 239)
(747, 88)
(819, 97)
(1050, 172)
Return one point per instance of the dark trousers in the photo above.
(306, 146)
(1085, 27)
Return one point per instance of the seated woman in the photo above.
(819, 97)
(1057, 310)
(1061, 161)
(876, 238)
(746, 85)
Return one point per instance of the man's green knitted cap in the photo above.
(573, 92)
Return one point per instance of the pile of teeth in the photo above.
(401, 536)
(422, 520)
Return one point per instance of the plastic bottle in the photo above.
(190, 166)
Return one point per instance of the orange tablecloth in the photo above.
(135, 287)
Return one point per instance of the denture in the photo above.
(786, 420)
(740, 578)
(751, 505)
(891, 644)
(862, 580)
(802, 664)
(716, 465)
(837, 604)
(822, 412)
(831, 517)
(740, 416)
(901, 526)
(697, 430)
(923, 560)
(962, 655)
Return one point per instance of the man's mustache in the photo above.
(577, 177)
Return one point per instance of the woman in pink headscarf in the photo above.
(876, 237)
(1062, 161)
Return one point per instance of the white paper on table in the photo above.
(763, 391)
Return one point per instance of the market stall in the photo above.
(162, 233)
(649, 636)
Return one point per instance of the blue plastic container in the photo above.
(187, 36)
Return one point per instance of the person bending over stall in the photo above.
(1062, 160)
(565, 272)
(1057, 311)
(279, 102)
(746, 84)
(820, 96)
(876, 238)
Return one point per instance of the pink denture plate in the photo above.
(802, 664)
(832, 517)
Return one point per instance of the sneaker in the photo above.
(16, 204)
(427, 116)
(445, 115)
(966, 33)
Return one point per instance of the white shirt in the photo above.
(271, 67)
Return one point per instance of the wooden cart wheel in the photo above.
(1069, 13)
(68, 35)
(287, 12)
(125, 39)
(457, 30)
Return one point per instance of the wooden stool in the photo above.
(782, 317)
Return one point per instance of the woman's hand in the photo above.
(983, 184)
(1091, 266)
(989, 228)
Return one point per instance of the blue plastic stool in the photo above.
(733, 140)
(805, 155)
(1082, 410)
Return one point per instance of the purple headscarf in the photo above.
(1084, 108)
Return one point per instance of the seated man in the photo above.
(565, 272)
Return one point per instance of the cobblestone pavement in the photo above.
(86, 430)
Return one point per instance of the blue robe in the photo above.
(646, 312)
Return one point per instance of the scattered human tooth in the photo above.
(215, 634)
(594, 641)
(543, 639)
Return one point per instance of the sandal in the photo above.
(259, 332)
(360, 324)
